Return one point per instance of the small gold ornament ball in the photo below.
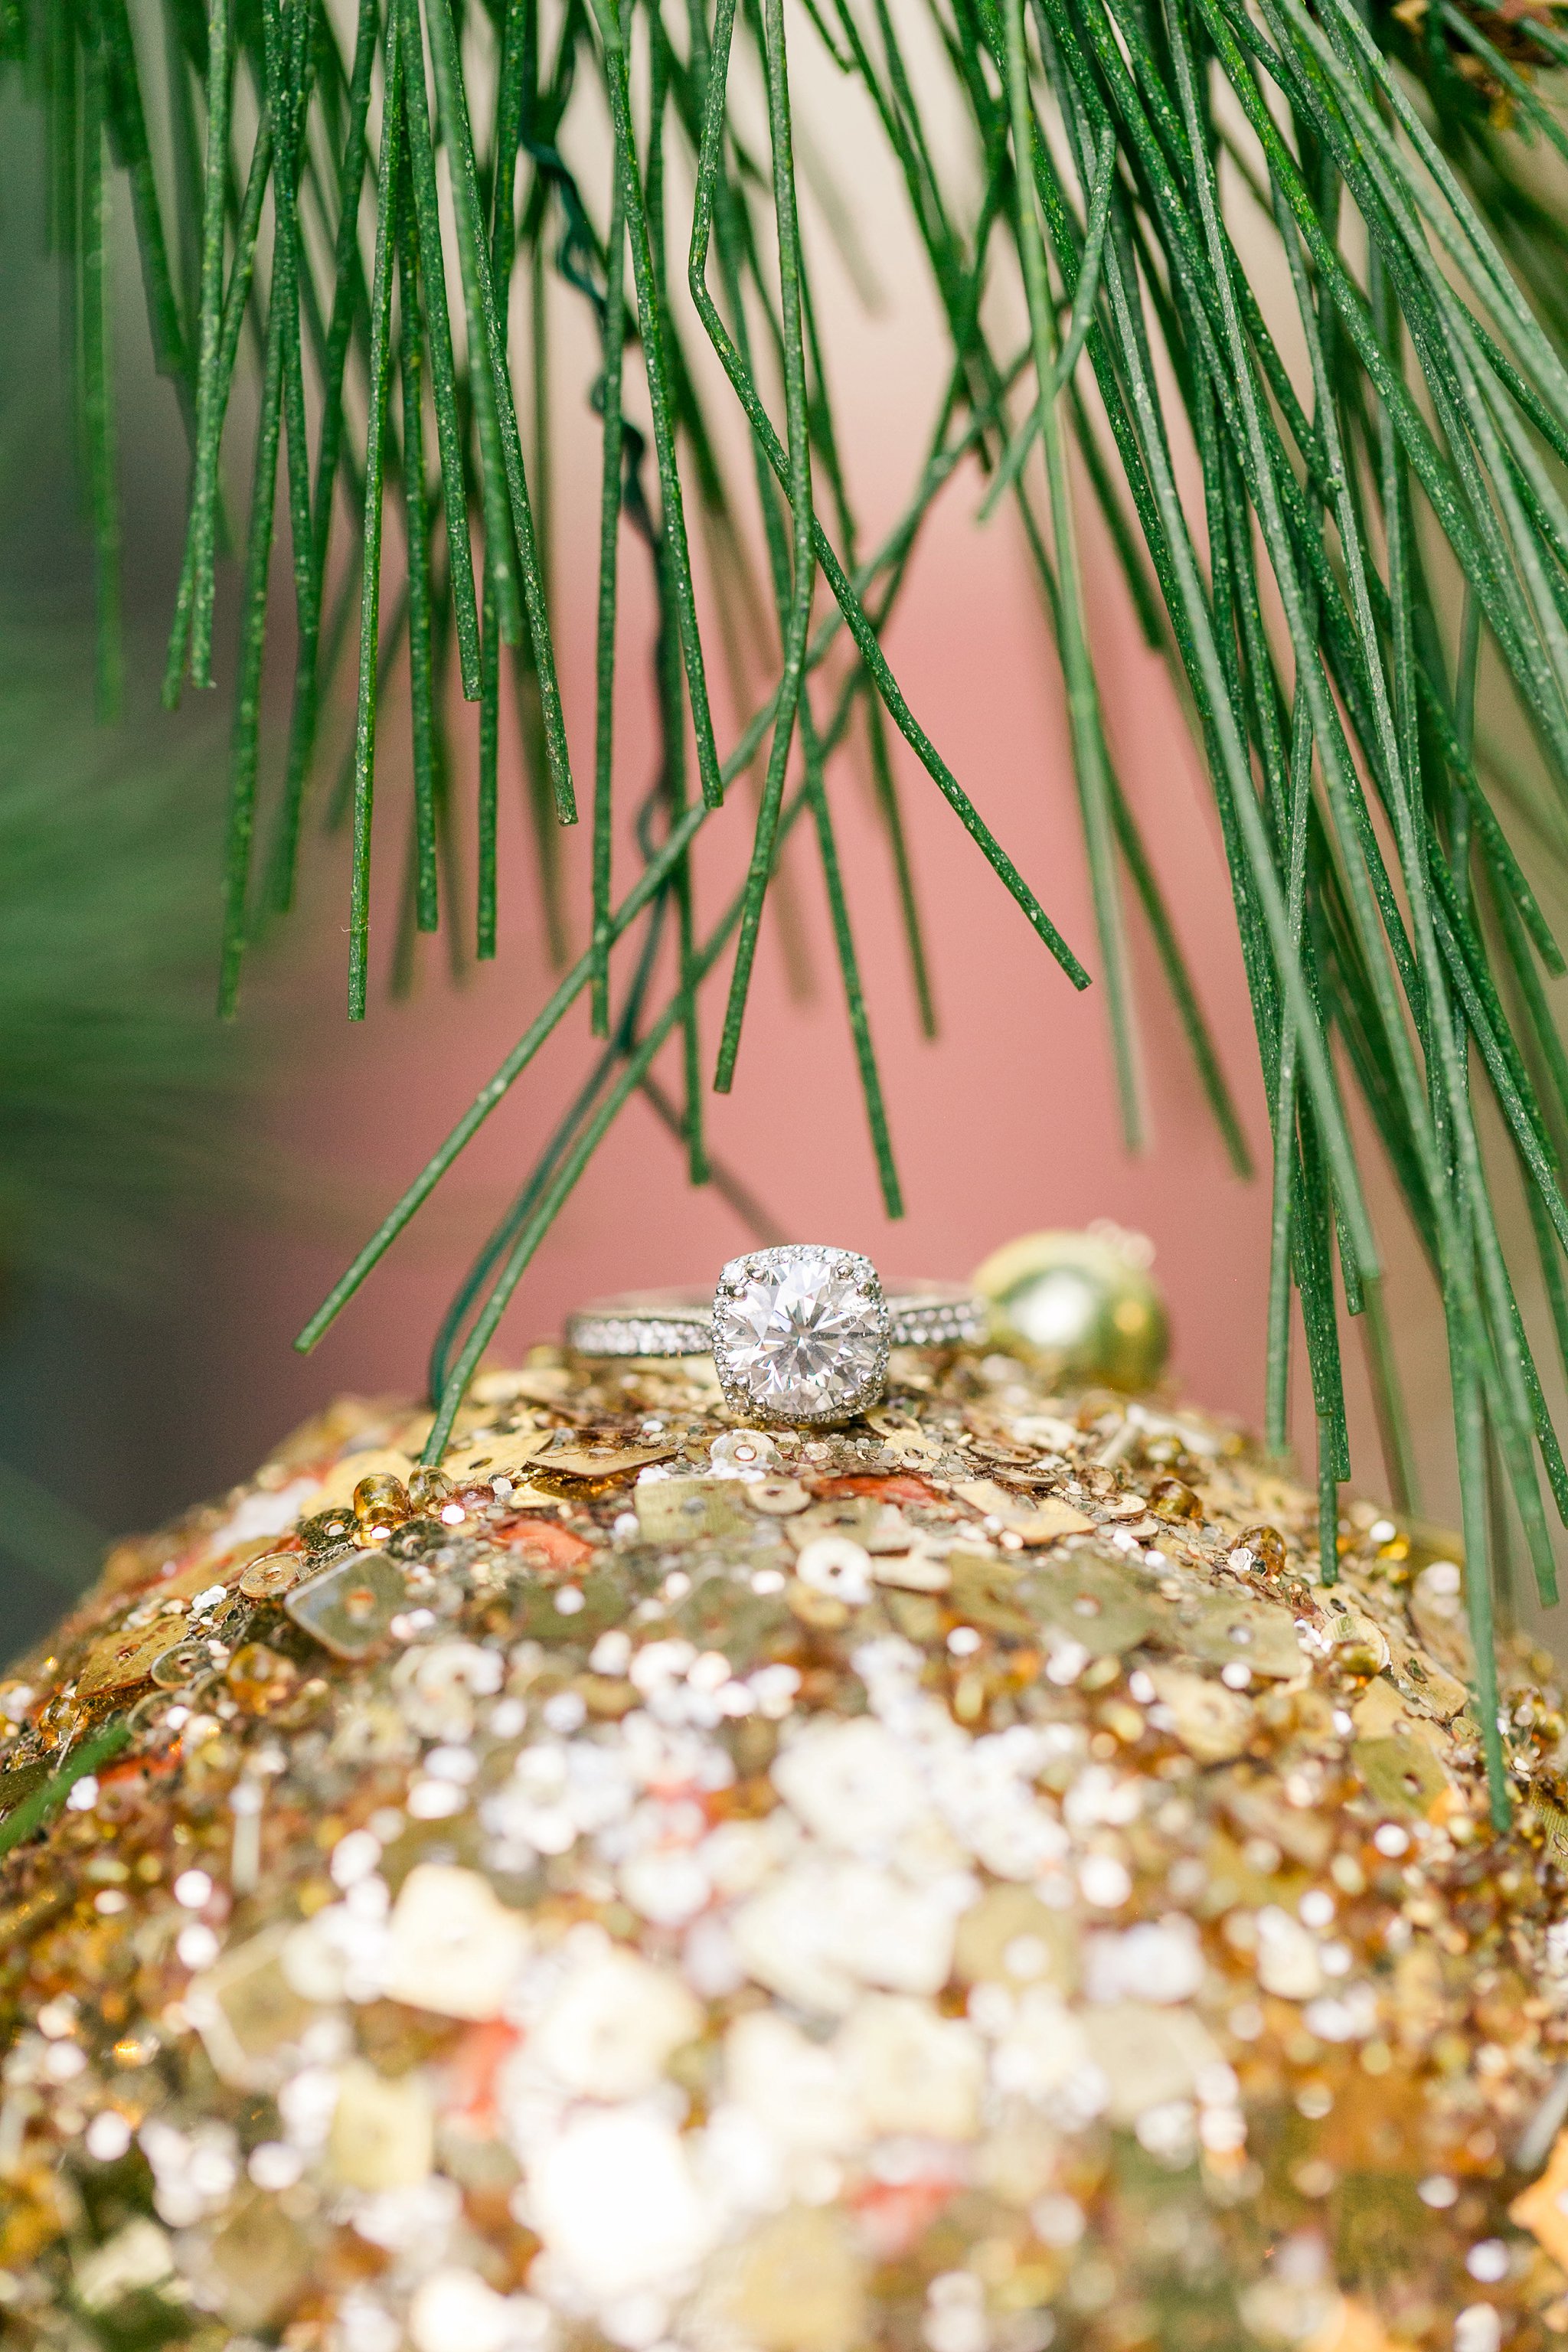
(955, 1883)
(1082, 1304)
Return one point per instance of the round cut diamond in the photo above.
(800, 1333)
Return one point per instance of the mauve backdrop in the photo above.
(1007, 1122)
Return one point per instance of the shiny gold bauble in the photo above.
(957, 1883)
(1082, 1304)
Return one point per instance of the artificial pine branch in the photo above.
(1305, 599)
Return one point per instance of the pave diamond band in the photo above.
(643, 1323)
(799, 1332)
(680, 1323)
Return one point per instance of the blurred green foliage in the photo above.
(117, 1084)
(122, 1101)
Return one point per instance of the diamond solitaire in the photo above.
(801, 1333)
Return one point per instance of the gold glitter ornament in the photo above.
(1083, 1304)
(893, 1890)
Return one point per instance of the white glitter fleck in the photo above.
(107, 2137)
(910, 2069)
(851, 1783)
(1105, 1881)
(452, 1947)
(824, 1926)
(1477, 2329)
(1288, 1961)
(454, 2310)
(197, 1946)
(1160, 1960)
(612, 2024)
(614, 2199)
(838, 1567)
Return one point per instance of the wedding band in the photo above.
(798, 1333)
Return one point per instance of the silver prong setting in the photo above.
(801, 1334)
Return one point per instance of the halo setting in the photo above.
(801, 1333)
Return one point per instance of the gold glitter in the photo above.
(886, 1887)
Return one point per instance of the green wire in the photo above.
(197, 647)
(1072, 634)
(421, 594)
(347, 293)
(1078, 324)
(668, 659)
(244, 750)
(509, 101)
(651, 330)
(389, 180)
(491, 394)
(285, 34)
(37, 1809)
(796, 621)
(609, 541)
(849, 969)
(410, 44)
(237, 299)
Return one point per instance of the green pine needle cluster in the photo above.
(1329, 535)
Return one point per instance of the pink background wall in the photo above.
(1007, 1123)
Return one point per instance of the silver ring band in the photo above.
(800, 1332)
(680, 1322)
(643, 1323)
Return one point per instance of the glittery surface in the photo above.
(958, 1883)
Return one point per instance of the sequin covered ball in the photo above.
(959, 1883)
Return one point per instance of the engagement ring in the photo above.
(798, 1333)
